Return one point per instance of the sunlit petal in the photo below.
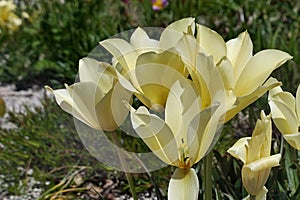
(173, 33)
(239, 52)
(293, 140)
(202, 131)
(156, 134)
(122, 51)
(141, 41)
(257, 70)
(181, 107)
(212, 43)
(244, 101)
(184, 184)
(239, 150)
(298, 104)
(284, 118)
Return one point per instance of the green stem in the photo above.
(252, 197)
(208, 176)
(123, 164)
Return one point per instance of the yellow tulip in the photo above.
(244, 75)
(285, 109)
(182, 138)
(92, 100)
(149, 67)
(9, 19)
(254, 152)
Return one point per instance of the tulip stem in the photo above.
(123, 164)
(252, 197)
(208, 176)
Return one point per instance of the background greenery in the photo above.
(46, 50)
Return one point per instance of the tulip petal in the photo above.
(257, 70)
(260, 143)
(156, 134)
(79, 100)
(284, 118)
(99, 73)
(239, 150)
(264, 163)
(244, 101)
(202, 132)
(122, 51)
(209, 80)
(261, 195)
(184, 184)
(239, 52)
(173, 33)
(298, 104)
(293, 140)
(226, 71)
(181, 107)
(141, 41)
(212, 43)
(255, 174)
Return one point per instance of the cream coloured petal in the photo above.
(79, 101)
(181, 107)
(188, 47)
(100, 73)
(239, 150)
(212, 43)
(244, 101)
(210, 81)
(173, 33)
(156, 134)
(293, 140)
(227, 73)
(274, 91)
(264, 163)
(239, 52)
(184, 184)
(284, 118)
(202, 131)
(141, 41)
(260, 143)
(298, 104)
(122, 51)
(257, 70)
(85, 95)
(286, 98)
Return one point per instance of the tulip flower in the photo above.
(8, 18)
(181, 139)
(159, 4)
(285, 109)
(244, 75)
(148, 67)
(255, 152)
(92, 100)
